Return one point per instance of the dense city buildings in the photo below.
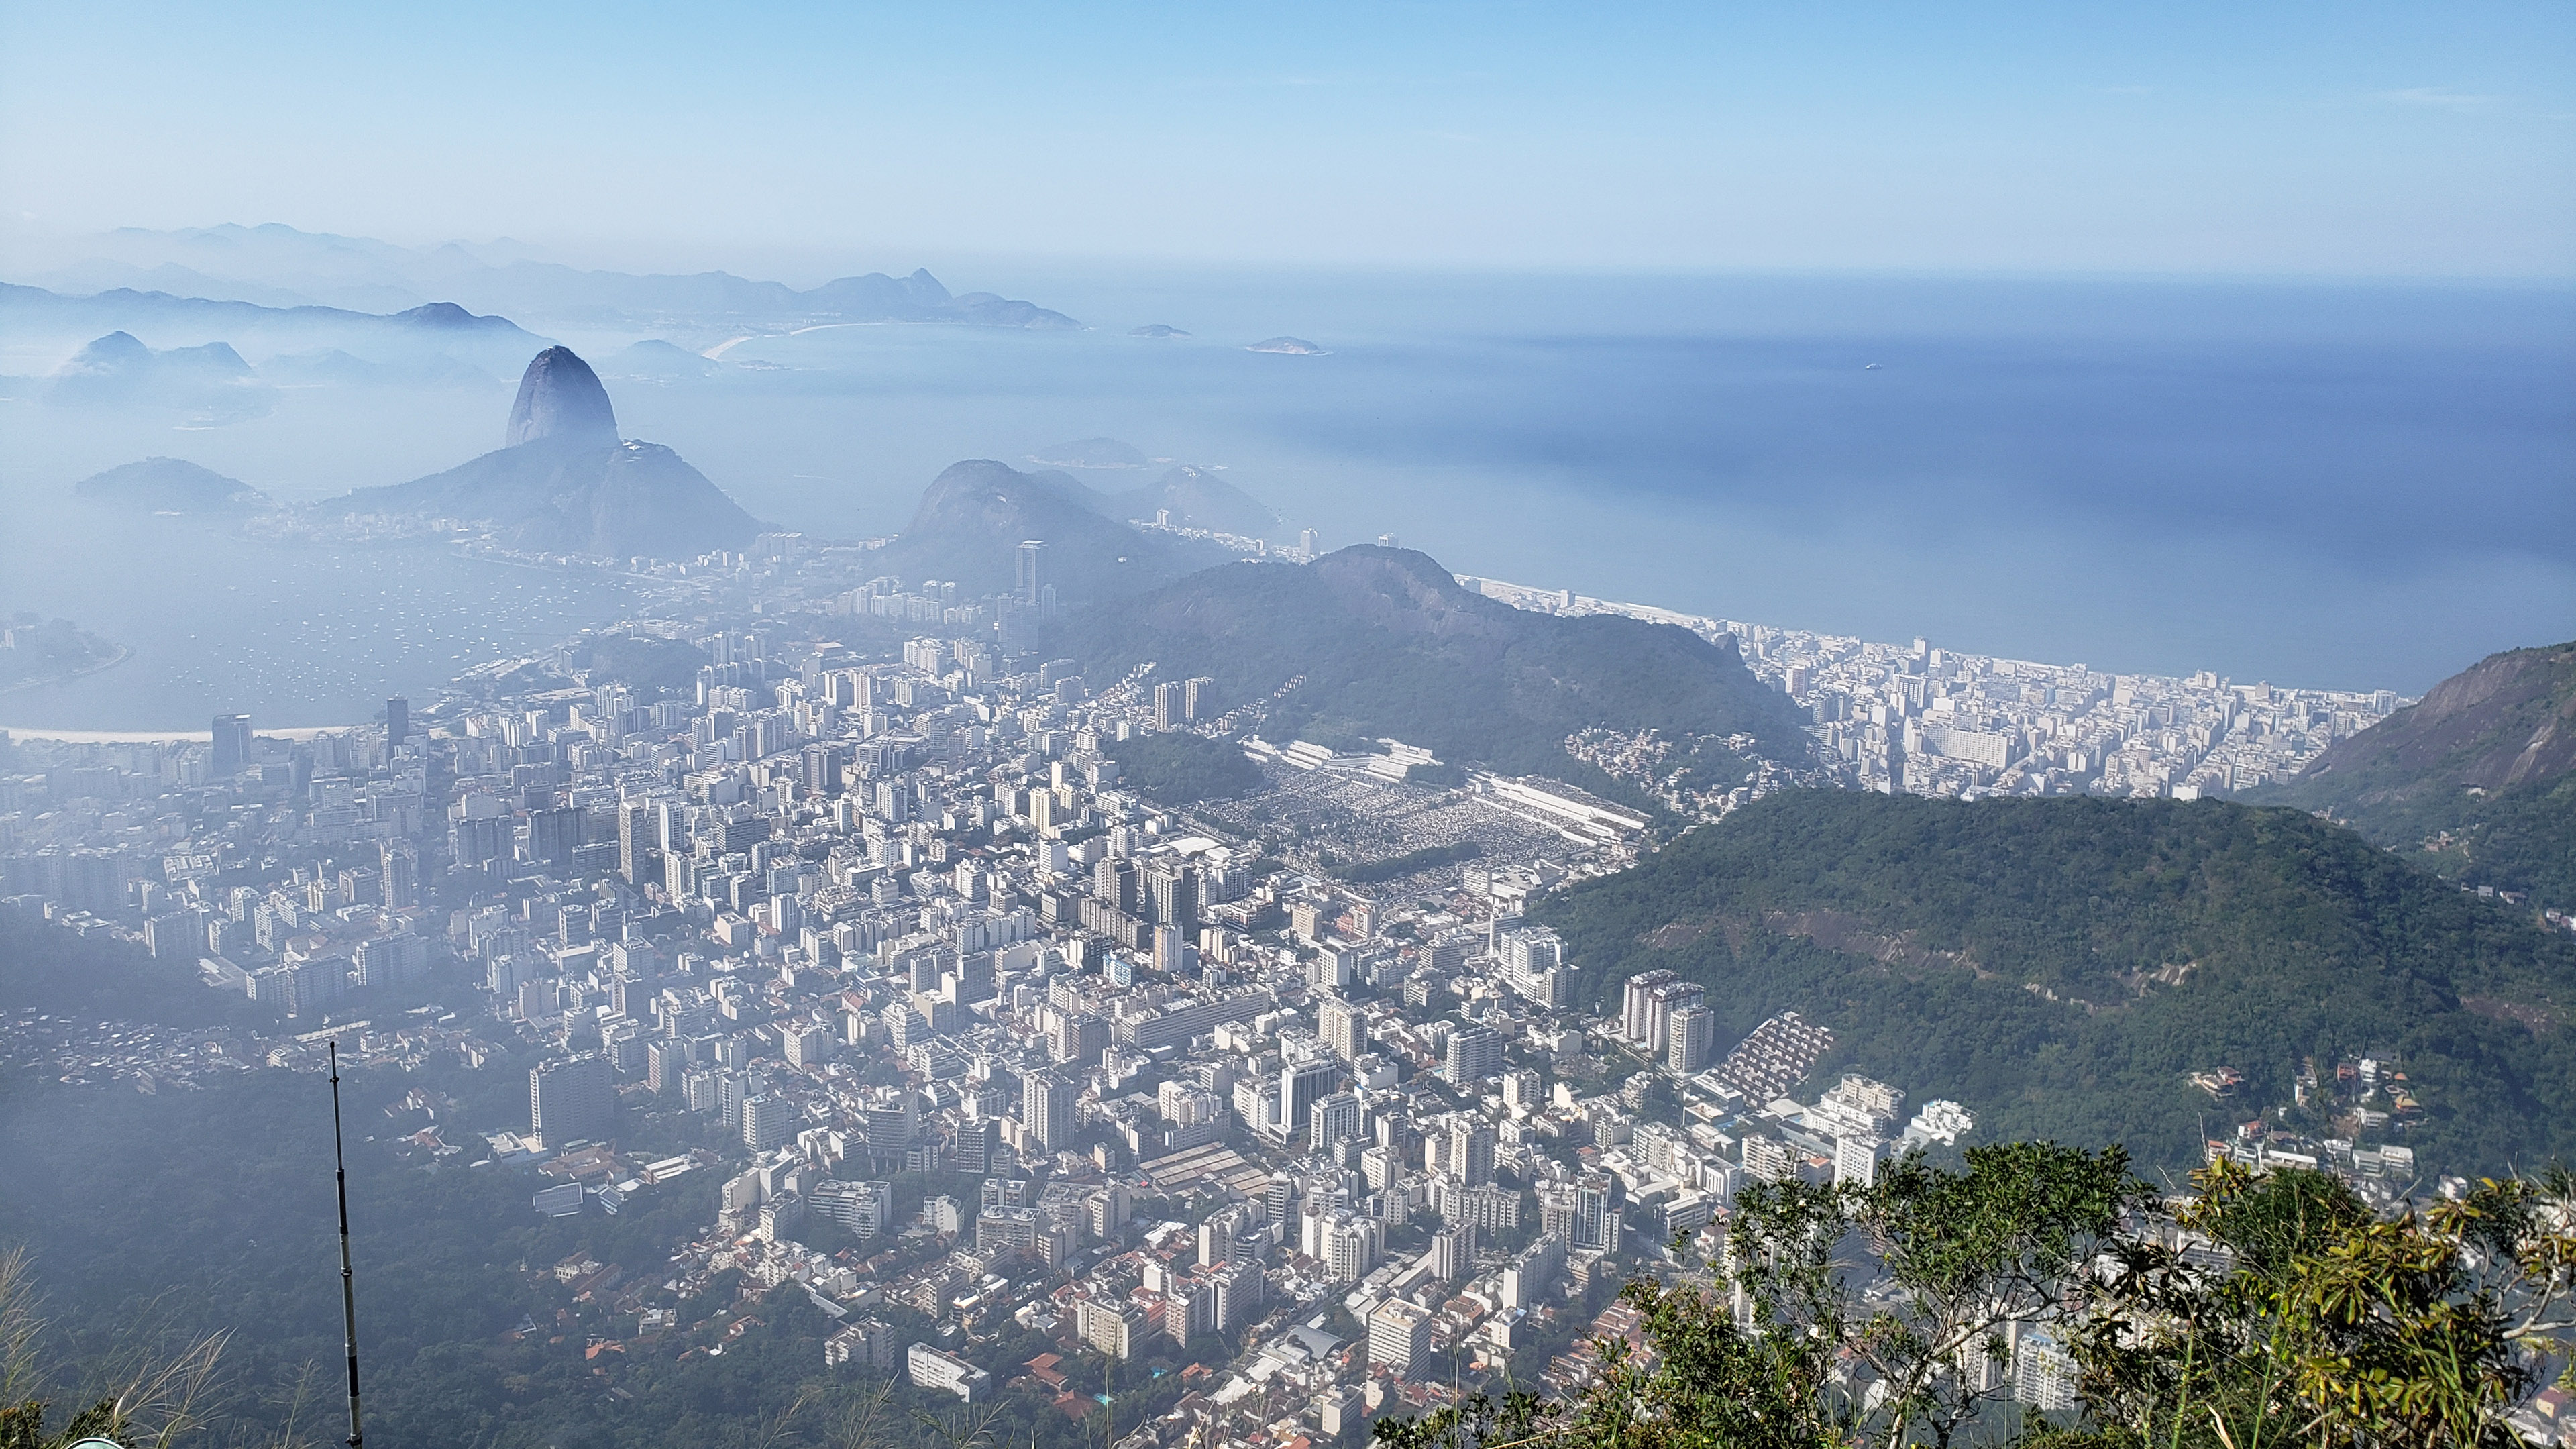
(853, 894)
(1913, 718)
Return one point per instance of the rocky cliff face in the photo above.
(2477, 781)
(2507, 720)
(561, 399)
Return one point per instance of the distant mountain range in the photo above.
(281, 267)
(119, 371)
(563, 481)
(2477, 780)
(437, 340)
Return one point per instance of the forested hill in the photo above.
(2059, 965)
(2476, 780)
(1391, 645)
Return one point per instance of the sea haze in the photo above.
(2356, 486)
(2334, 486)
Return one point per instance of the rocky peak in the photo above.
(561, 399)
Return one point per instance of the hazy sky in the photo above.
(2415, 139)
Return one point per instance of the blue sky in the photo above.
(2302, 139)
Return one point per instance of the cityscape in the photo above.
(860, 921)
(1288, 727)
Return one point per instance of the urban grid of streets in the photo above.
(876, 919)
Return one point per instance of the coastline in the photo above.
(39, 681)
(159, 737)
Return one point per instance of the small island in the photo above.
(1157, 329)
(1293, 346)
(170, 485)
(37, 650)
(1091, 453)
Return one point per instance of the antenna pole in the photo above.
(348, 1278)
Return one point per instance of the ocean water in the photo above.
(2348, 486)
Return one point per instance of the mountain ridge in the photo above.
(283, 265)
(1390, 644)
(2477, 780)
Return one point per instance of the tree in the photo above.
(1791, 1350)
(2280, 1310)
(137, 1398)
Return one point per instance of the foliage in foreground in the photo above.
(2270, 1309)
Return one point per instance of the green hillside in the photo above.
(2059, 965)
(2476, 781)
(1390, 645)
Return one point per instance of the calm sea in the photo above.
(2354, 486)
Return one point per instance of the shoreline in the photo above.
(160, 737)
(100, 666)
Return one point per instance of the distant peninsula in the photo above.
(1294, 346)
(37, 650)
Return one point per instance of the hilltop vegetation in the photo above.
(2059, 965)
(2476, 781)
(1182, 769)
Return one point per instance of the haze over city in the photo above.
(1389, 727)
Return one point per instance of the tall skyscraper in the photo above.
(571, 1099)
(1301, 1085)
(635, 842)
(232, 745)
(1174, 896)
(1471, 1149)
(1343, 1027)
(1046, 1109)
(1032, 577)
(397, 723)
(1475, 1053)
(401, 875)
(1691, 1043)
(553, 835)
(766, 1121)
(1635, 1021)
(1400, 1336)
(1171, 705)
(1336, 1118)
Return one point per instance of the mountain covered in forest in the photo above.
(2476, 780)
(564, 481)
(2061, 966)
(1388, 643)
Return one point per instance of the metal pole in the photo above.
(348, 1278)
